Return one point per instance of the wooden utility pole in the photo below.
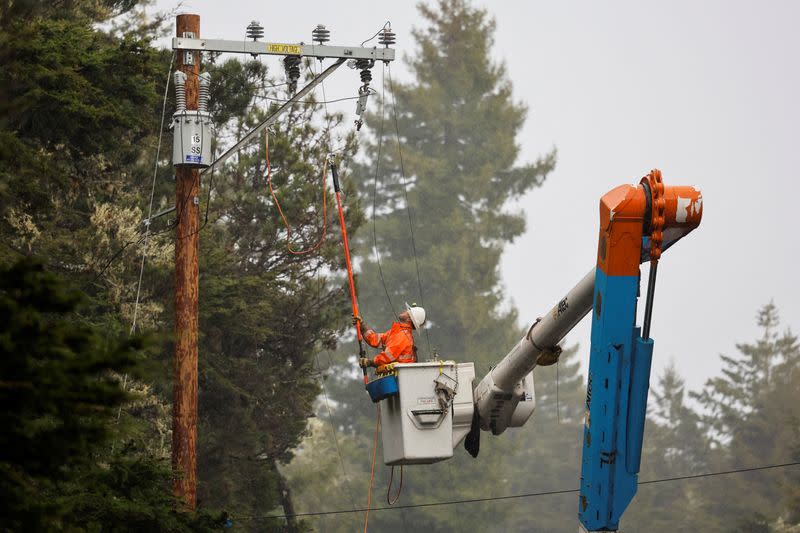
(184, 376)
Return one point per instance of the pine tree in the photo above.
(458, 170)
(81, 109)
(674, 445)
(751, 413)
(60, 391)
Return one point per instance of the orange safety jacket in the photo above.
(397, 343)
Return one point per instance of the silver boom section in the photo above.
(498, 394)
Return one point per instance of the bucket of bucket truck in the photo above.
(430, 414)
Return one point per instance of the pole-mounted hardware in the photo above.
(191, 129)
(361, 58)
(273, 117)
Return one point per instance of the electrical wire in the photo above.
(152, 194)
(312, 102)
(408, 206)
(386, 24)
(528, 494)
(375, 192)
(558, 403)
(208, 204)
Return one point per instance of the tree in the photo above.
(674, 445)
(748, 418)
(60, 390)
(80, 121)
(458, 125)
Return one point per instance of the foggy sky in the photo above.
(705, 91)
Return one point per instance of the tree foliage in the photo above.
(60, 389)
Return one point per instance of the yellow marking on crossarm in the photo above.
(286, 49)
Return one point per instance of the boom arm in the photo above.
(619, 367)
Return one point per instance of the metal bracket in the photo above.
(188, 56)
(148, 221)
(274, 116)
(282, 49)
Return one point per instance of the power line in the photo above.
(524, 495)
(311, 102)
(408, 206)
(375, 192)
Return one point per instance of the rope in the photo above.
(280, 210)
(389, 499)
(408, 206)
(372, 474)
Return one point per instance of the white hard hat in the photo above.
(417, 315)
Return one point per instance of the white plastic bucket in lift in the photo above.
(416, 427)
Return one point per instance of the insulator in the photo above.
(321, 34)
(180, 91)
(292, 66)
(255, 30)
(365, 65)
(387, 37)
(204, 91)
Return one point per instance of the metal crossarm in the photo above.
(283, 49)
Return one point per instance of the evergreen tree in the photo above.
(751, 412)
(748, 418)
(80, 114)
(458, 125)
(452, 174)
(60, 391)
(674, 445)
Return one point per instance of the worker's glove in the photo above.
(357, 320)
(365, 362)
(549, 356)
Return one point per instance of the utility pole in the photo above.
(184, 376)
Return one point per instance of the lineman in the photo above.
(398, 342)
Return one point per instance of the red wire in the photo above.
(283, 217)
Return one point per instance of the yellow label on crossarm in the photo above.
(286, 49)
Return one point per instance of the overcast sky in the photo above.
(705, 91)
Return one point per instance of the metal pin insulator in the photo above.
(387, 37)
(255, 30)
(321, 34)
